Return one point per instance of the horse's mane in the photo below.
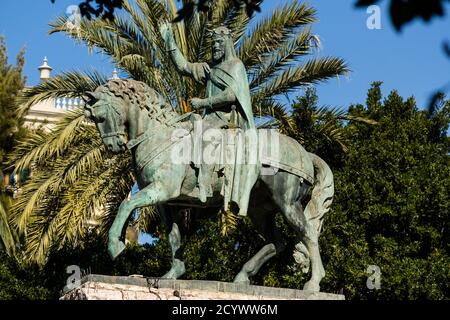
(141, 95)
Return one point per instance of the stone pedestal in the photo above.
(99, 287)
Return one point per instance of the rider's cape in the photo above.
(232, 74)
(240, 176)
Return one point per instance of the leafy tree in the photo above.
(74, 177)
(16, 282)
(392, 203)
(11, 82)
(321, 129)
(20, 283)
(391, 209)
(211, 255)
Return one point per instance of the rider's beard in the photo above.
(218, 55)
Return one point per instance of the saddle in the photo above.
(227, 153)
(239, 157)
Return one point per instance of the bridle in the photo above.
(116, 132)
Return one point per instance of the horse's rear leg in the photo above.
(321, 199)
(311, 240)
(252, 266)
(306, 251)
(150, 195)
(266, 226)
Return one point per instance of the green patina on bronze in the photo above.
(227, 89)
(130, 115)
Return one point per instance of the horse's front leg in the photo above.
(149, 196)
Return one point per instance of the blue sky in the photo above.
(412, 61)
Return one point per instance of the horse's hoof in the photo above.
(242, 278)
(311, 286)
(115, 248)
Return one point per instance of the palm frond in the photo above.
(237, 21)
(227, 221)
(146, 216)
(94, 34)
(62, 214)
(7, 238)
(38, 148)
(287, 55)
(70, 84)
(269, 34)
(313, 71)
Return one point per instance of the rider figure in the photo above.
(227, 89)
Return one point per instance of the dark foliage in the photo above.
(19, 282)
(11, 82)
(102, 9)
(105, 8)
(392, 203)
(391, 209)
(403, 12)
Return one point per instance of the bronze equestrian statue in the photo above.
(130, 115)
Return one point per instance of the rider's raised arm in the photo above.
(196, 70)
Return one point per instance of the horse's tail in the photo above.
(317, 207)
(322, 193)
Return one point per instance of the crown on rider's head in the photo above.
(221, 32)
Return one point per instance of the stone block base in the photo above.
(99, 287)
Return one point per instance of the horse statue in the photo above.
(130, 115)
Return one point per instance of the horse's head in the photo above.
(106, 110)
(123, 109)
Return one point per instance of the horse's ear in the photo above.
(90, 97)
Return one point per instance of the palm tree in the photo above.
(74, 177)
(7, 235)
